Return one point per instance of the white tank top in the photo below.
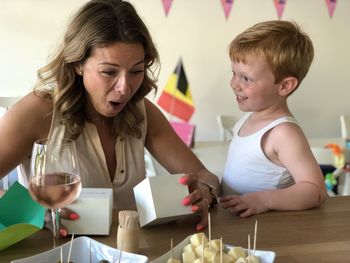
(247, 168)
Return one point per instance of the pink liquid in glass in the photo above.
(55, 190)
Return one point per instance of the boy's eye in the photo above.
(246, 79)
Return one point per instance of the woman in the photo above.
(93, 91)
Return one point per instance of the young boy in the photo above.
(270, 165)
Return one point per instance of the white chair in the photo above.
(5, 104)
(226, 123)
(345, 126)
(323, 156)
(149, 166)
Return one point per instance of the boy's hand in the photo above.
(244, 205)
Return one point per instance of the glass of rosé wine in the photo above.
(54, 176)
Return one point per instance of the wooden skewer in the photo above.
(221, 250)
(202, 249)
(209, 230)
(120, 253)
(171, 250)
(90, 251)
(248, 248)
(70, 248)
(255, 233)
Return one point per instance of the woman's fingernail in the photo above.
(186, 201)
(63, 232)
(195, 208)
(199, 227)
(183, 180)
(74, 216)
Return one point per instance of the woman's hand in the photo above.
(64, 213)
(199, 198)
(244, 205)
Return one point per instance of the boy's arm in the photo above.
(293, 152)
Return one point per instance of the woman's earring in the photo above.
(81, 73)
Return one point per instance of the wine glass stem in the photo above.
(55, 215)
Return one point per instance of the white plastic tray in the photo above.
(84, 250)
(265, 256)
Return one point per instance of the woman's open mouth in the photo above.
(116, 105)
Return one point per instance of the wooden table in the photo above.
(316, 235)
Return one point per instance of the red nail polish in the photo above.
(183, 180)
(195, 208)
(199, 227)
(63, 232)
(74, 216)
(186, 201)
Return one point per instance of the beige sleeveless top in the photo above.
(93, 168)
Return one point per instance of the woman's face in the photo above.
(111, 75)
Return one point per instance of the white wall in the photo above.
(197, 31)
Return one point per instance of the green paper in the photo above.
(20, 216)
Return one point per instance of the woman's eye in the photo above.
(136, 72)
(108, 72)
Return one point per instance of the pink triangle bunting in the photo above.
(331, 6)
(227, 5)
(280, 4)
(167, 5)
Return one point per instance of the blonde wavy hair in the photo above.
(98, 22)
(286, 48)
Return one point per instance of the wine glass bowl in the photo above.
(55, 190)
(54, 175)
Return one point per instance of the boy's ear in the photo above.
(288, 85)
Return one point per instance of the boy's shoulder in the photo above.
(287, 129)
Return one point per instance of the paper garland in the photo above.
(227, 5)
(331, 6)
(166, 6)
(280, 4)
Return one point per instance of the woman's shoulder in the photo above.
(37, 104)
(36, 110)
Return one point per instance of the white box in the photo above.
(159, 199)
(95, 208)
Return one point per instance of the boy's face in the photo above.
(253, 84)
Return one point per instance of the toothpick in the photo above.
(221, 250)
(248, 248)
(203, 248)
(70, 248)
(120, 252)
(255, 233)
(90, 251)
(171, 250)
(209, 229)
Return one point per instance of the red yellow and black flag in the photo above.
(176, 97)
